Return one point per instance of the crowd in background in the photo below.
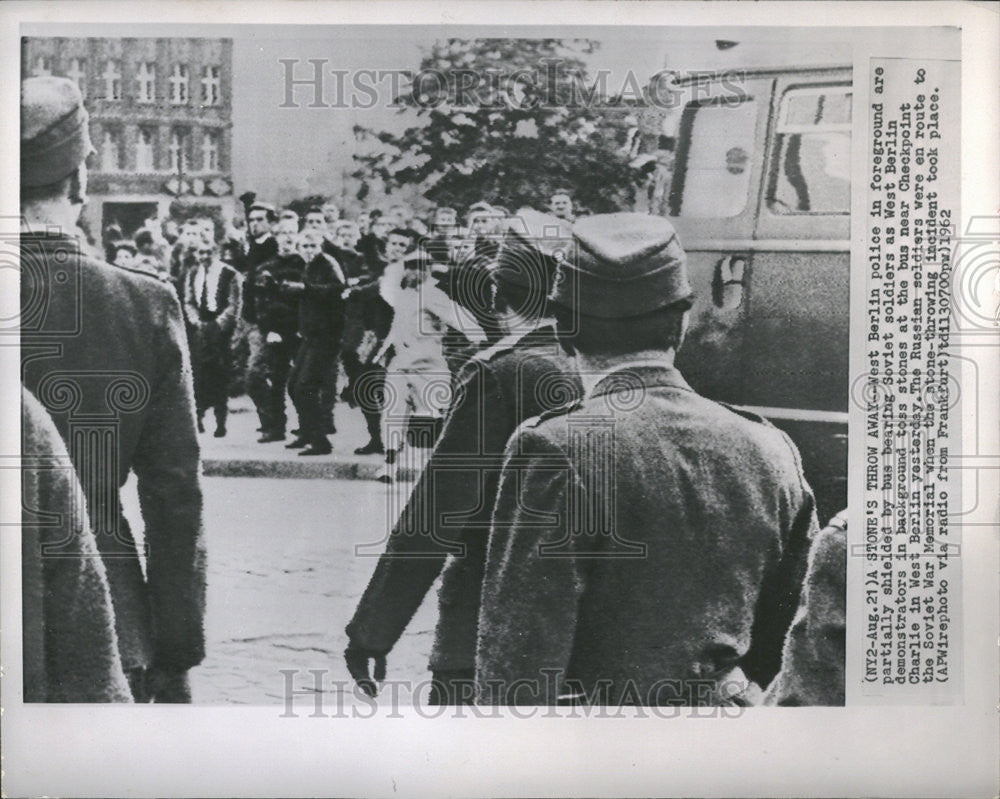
(379, 311)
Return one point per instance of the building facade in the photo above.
(160, 119)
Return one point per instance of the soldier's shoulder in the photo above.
(769, 437)
(107, 272)
(143, 269)
(540, 353)
(746, 413)
(493, 353)
(553, 416)
(149, 283)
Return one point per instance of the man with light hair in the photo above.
(274, 310)
(561, 205)
(211, 305)
(312, 383)
(182, 257)
(331, 214)
(347, 234)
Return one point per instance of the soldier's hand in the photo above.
(167, 686)
(357, 665)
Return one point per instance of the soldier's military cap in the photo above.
(532, 247)
(622, 265)
(54, 135)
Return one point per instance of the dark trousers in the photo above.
(367, 388)
(311, 384)
(211, 361)
(267, 379)
(453, 687)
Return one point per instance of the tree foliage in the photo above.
(507, 121)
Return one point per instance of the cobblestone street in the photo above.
(283, 581)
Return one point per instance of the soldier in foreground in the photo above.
(523, 374)
(812, 667)
(103, 348)
(647, 545)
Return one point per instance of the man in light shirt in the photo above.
(211, 305)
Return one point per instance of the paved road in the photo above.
(283, 580)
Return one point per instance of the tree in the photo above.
(508, 121)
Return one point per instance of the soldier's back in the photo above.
(91, 335)
(103, 348)
(687, 509)
(508, 384)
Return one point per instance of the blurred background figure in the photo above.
(418, 380)
(313, 380)
(123, 254)
(561, 205)
(271, 305)
(211, 304)
(348, 234)
(331, 214)
(182, 257)
(364, 219)
(314, 219)
(150, 257)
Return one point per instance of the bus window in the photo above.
(811, 172)
(712, 177)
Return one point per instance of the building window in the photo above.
(42, 66)
(113, 80)
(144, 161)
(77, 73)
(146, 78)
(178, 151)
(111, 151)
(179, 84)
(210, 86)
(210, 151)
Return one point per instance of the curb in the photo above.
(335, 469)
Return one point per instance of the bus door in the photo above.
(797, 330)
(713, 204)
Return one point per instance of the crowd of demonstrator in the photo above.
(380, 311)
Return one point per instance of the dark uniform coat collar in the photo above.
(628, 377)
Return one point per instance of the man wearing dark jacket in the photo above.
(321, 321)
(368, 318)
(271, 303)
(103, 349)
(647, 545)
(445, 523)
(211, 305)
(261, 245)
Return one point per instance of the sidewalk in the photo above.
(239, 454)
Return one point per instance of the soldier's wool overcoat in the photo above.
(104, 349)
